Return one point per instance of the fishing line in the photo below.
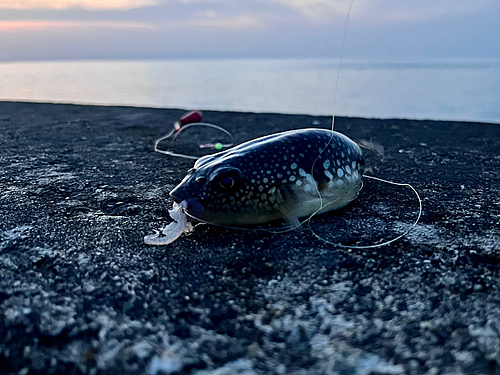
(225, 140)
(344, 36)
(322, 205)
(248, 229)
(307, 221)
(181, 137)
(387, 242)
(341, 59)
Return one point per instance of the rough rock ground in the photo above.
(81, 293)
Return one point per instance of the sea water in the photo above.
(444, 90)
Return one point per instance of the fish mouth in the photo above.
(192, 206)
(177, 194)
(175, 198)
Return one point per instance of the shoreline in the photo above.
(28, 101)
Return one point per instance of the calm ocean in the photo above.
(449, 90)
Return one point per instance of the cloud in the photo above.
(237, 22)
(68, 4)
(248, 28)
(32, 24)
(382, 12)
(322, 10)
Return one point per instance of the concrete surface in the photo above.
(80, 293)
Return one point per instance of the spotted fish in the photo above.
(288, 175)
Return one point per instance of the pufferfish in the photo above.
(287, 176)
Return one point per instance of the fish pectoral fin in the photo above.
(284, 195)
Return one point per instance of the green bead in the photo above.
(218, 146)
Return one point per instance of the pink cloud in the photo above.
(33, 25)
(65, 4)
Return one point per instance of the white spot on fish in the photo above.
(265, 180)
(326, 164)
(298, 183)
(329, 175)
(302, 172)
(348, 169)
(310, 179)
(340, 172)
(261, 188)
(294, 166)
(292, 178)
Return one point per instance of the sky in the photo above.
(388, 30)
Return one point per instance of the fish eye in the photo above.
(200, 180)
(226, 183)
(227, 177)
